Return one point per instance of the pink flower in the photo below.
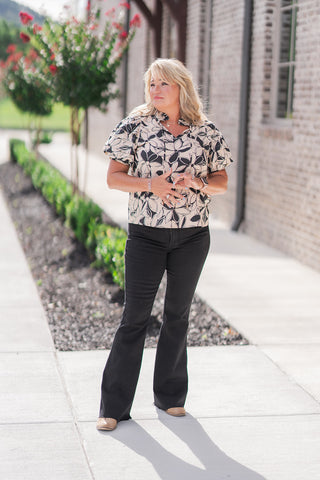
(117, 25)
(33, 54)
(11, 48)
(52, 57)
(25, 18)
(111, 12)
(125, 5)
(119, 47)
(36, 28)
(27, 61)
(123, 35)
(136, 21)
(53, 69)
(14, 57)
(24, 37)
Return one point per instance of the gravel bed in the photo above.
(82, 303)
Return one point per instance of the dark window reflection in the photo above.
(285, 35)
(283, 82)
(286, 3)
(288, 20)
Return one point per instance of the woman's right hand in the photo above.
(165, 190)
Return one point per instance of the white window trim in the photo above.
(277, 121)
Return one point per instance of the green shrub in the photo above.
(96, 232)
(14, 144)
(63, 196)
(110, 252)
(41, 137)
(20, 154)
(38, 175)
(79, 212)
(56, 189)
(83, 216)
(46, 137)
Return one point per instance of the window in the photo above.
(286, 58)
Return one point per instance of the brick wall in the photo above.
(283, 184)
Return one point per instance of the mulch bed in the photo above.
(82, 304)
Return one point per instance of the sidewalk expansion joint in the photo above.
(290, 377)
(39, 422)
(216, 417)
(75, 422)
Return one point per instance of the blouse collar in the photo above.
(163, 117)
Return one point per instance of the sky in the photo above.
(53, 8)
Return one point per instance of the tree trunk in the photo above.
(75, 141)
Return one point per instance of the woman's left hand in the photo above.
(217, 182)
(187, 180)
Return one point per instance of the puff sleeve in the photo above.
(120, 145)
(219, 152)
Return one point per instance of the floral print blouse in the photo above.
(149, 149)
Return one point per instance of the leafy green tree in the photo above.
(26, 83)
(9, 35)
(81, 58)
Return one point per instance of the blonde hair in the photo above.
(174, 72)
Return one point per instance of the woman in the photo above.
(171, 159)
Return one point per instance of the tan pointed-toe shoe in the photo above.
(176, 411)
(107, 424)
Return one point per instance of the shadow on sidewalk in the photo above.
(216, 464)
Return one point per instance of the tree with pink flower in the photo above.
(26, 82)
(81, 58)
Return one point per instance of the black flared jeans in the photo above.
(149, 253)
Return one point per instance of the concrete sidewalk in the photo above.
(253, 411)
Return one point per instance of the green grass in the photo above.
(12, 118)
